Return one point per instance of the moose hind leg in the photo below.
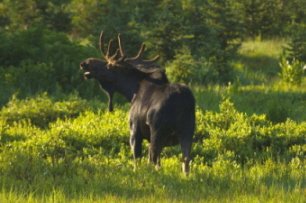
(186, 149)
(156, 146)
(154, 151)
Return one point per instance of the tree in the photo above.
(226, 25)
(30, 13)
(297, 46)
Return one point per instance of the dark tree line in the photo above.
(210, 31)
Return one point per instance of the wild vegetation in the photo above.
(242, 59)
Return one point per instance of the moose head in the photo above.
(117, 73)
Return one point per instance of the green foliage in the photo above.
(28, 13)
(40, 60)
(245, 138)
(181, 69)
(297, 46)
(271, 18)
(291, 72)
(40, 45)
(76, 156)
(212, 31)
(185, 68)
(41, 110)
(169, 28)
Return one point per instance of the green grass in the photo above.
(258, 61)
(101, 179)
(146, 185)
(269, 48)
(114, 180)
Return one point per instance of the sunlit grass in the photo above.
(258, 61)
(270, 48)
(222, 182)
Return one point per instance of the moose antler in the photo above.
(137, 60)
(120, 46)
(106, 55)
(101, 39)
(120, 56)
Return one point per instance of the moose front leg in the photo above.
(110, 101)
(135, 143)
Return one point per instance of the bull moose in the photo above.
(161, 112)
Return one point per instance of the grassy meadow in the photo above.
(250, 143)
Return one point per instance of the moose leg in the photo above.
(110, 101)
(186, 144)
(186, 148)
(135, 143)
(156, 146)
(154, 156)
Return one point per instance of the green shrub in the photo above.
(187, 69)
(247, 138)
(291, 72)
(41, 110)
(40, 60)
(297, 46)
(72, 131)
(182, 68)
(89, 153)
(103, 130)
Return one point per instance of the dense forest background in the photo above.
(42, 42)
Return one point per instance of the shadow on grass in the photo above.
(257, 69)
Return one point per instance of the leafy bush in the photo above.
(246, 138)
(70, 129)
(41, 110)
(291, 72)
(71, 151)
(40, 60)
(185, 68)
